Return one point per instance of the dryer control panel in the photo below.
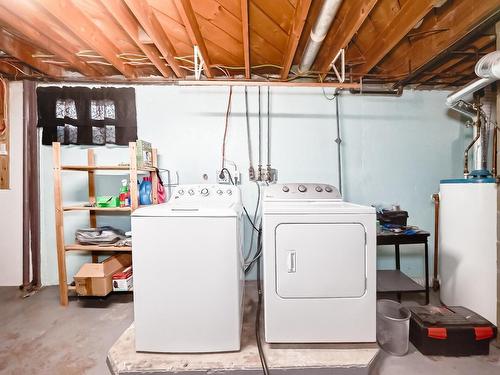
(304, 191)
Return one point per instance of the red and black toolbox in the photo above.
(450, 331)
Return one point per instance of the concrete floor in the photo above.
(38, 336)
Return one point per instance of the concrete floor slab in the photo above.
(38, 336)
(294, 359)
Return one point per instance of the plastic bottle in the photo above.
(145, 191)
(124, 194)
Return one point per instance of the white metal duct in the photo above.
(318, 34)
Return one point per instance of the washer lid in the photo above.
(315, 207)
(207, 209)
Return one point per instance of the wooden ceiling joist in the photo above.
(461, 20)
(69, 15)
(189, 19)
(478, 45)
(148, 21)
(299, 19)
(11, 69)
(43, 40)
(408, 16)
(353, 15)
(245, 36)
(24, 52)
(122, 15)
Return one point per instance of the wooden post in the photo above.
(134, 202)
(4, 136)
(497, 342)
(92, 200)
(61, 255)
(154, 177)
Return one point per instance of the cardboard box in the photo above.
(95, 279)
(144, 154)
(123, 280)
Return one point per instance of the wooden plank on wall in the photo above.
(4, 137)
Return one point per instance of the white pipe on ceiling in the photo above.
(318, 33)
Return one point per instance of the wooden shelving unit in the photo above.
(95, 250)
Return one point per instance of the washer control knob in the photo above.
(328, 189)
(319, 189)
(302, 188)
(220, 192)
(204, 192)
(191, 192)
(229, 192)
(181, 192)
(286, 189)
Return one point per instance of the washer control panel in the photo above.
(302, 191)
(206, 191)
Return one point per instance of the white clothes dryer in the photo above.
(319, 266)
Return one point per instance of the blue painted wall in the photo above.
(395, 150)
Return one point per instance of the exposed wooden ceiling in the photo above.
(399, 42)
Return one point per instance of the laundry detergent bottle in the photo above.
(145, 191)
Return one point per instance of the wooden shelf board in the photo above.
(79, 247)
(100, 209)
(87, 168)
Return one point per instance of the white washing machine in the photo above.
(319, 266)
(188, 271)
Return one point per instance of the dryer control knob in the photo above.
(191, 192)
(181, 192)
(204, 192)
(220, 192)
(286, 189)
(319, 189)
(229, 192)
(302, 188)
(328, 189)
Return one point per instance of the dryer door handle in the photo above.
(292, 261)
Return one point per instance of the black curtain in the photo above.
(86, 116)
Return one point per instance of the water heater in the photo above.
(468, 244)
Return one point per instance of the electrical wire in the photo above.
(258, 338)
(247, 256)
(338, 141)
(228, 110)
(244, 208)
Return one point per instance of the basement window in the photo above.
(87, 116)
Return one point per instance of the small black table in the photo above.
(395, 281)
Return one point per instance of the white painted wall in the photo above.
(395, 150)
(11, 201)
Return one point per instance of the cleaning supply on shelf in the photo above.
(145, 191)
(162, 194)
(124, 194)
(108, 201)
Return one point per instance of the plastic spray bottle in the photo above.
(124, 194)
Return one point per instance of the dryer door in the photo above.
(320, 260)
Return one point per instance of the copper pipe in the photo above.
(495, 153)
(435, 281)
(478, 134)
